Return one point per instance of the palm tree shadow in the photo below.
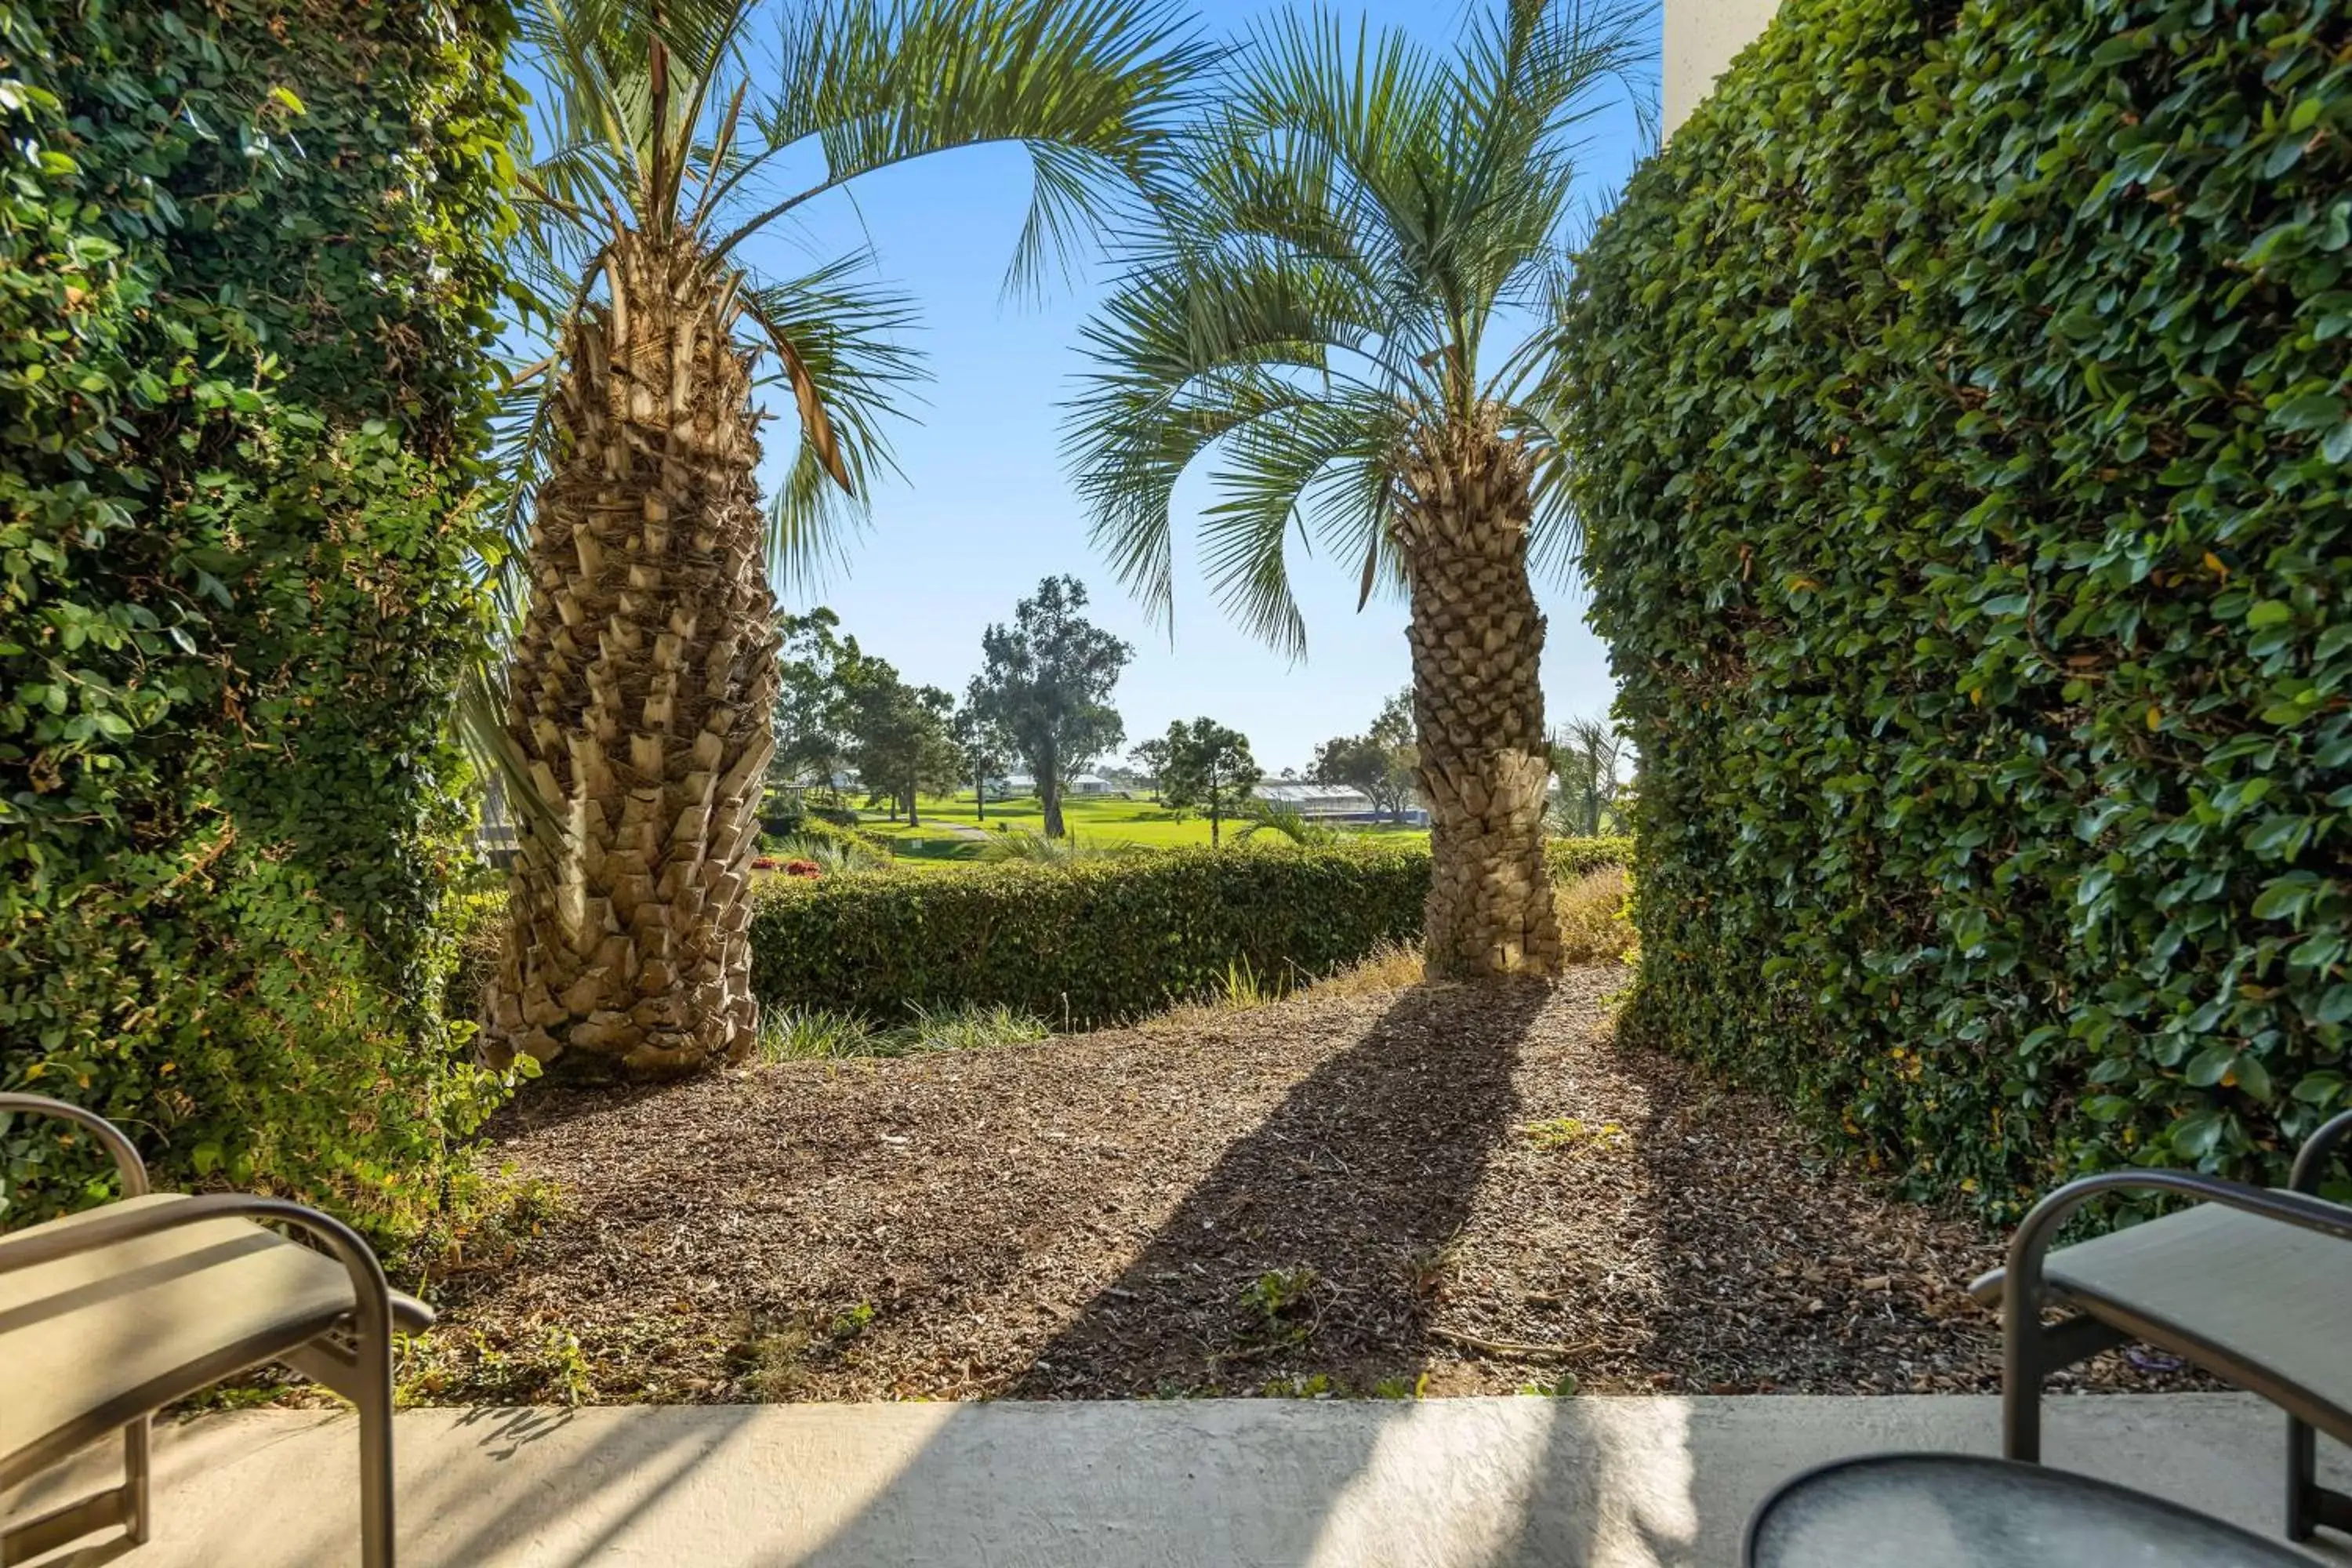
(1319, 1243)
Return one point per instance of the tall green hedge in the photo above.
(1963, 434)
(1089, 942)
(246, 289)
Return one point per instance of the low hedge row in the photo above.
(1095, 941)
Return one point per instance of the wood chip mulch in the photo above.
(1443, 1190)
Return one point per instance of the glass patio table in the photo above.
(1961, 1511)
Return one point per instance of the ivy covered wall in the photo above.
(1963, 434)
(246, 291)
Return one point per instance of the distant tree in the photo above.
(1586, 754)
(982, 746)
(899, 734)
(1210, 769)
(811, 715)
(1048, 681)
(1379, 762)
(1149, 758)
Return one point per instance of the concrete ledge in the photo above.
(1577, 1483)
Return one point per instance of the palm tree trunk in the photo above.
(1477, 653)
(642, 689)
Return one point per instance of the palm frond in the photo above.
(1356, 213)
(1320, 468)
(844, 335)
(873, 83)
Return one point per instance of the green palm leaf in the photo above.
(1357, 215)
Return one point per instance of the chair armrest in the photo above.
(127, 1163)
(2313, 1160)
(2021, 1277)
(370, 1290)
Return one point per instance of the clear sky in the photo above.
(985, 508)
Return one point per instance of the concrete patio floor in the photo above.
(1604, 1482)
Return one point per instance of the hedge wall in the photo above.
(1093, 941)
(247, 288)
(1961, 418)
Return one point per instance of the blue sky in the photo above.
(985, 509)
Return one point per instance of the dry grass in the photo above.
(1593, 926)
(1391, 966)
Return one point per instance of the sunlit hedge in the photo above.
(1962, 432)
(1093, 942)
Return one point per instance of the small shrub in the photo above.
(969, 1027)
(851, 838)
(813, 1033)
(1241, 987)
(1023, 844)
(1390, 966)
(1595, 926)
(1559, 1386)
(1282, 1295)
(831, 854)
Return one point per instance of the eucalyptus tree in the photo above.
(638, 703)
(1046, 682)
(1330, 307)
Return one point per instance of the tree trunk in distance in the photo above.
(1477, 649)
(641, 692)
(1049, 789)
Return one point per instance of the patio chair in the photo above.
(109, 1315)
(2253, 1286)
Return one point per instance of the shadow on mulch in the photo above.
(1310, 1256)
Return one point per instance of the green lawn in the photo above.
(1094, 818)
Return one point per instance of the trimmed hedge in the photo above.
(1962, 432)
(1090, 943)
(248, 292)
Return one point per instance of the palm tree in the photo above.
(1362, 221)
(637, 699)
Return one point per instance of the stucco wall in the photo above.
(1701, 37)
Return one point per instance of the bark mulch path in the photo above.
(1447, 1190)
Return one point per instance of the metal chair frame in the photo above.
(357, 1364)
(2031, 1350)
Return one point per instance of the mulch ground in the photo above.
(1449, 1190)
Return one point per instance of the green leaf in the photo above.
(2310, 411)
(2206, 1067)
(2319, 1087)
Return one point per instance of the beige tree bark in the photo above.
(642, 689)
(1477, 654)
